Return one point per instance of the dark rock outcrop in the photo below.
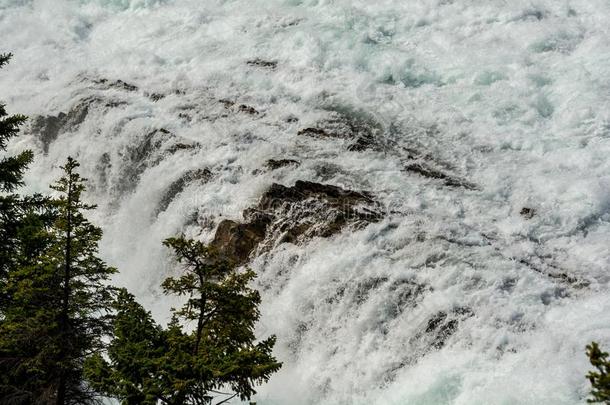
(237, 241)
(48, 128)
(295, 214)
(273, 164)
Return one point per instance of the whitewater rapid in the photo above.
(513, 97)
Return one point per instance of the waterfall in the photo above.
(432, 176)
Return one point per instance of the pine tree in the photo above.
(12, 206)
(148, 364)
(138, 345)
(59, 309)
(220, 353)
(86, 298)
(24, 221)
(11, 168)
(600, 379)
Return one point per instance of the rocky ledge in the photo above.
(295, 214)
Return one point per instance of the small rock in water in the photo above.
(269, 64)
(274, 164)
(527, 213)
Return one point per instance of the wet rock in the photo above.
(326, 170)
(178, 186)
(364, 288)
(442, 325)
(295, 214)
(186, 117)
(242, 108)
(425, 170)
(115, 104)
(247, 109)
(147, 151)
(527, 213)
(136, 157)
(103, 166)
(316, 132)
(273, 164)
(48, 128)
(156, 96)
(360, 133)
(404, 294)
(311, 209)
(552, 271)
(269, 64)
(117, 84)
(237, 241)
(227, 103)
(173, 148)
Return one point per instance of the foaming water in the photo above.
(459, 295)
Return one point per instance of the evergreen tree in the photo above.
(600, 379)
(86, 298)
(220, 353)
(12, 206)
(13, 167)
(177, 367)
(134, 353)
(59, 307)
(23, 239)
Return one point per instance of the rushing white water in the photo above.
(512, 96)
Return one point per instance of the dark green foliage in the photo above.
(135, 352)
(27, 347)
(59, 304)
(179, 367)
(600, 379)
(220, 353)
(25, 285)
(12, 167)
(86, 298)
(12, 207)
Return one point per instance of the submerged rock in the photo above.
(178, 186)
(273, 164)
(449, 180)
(442, 325)
(242, 108)
(361, 133)
(295, 214)
(147, 151)
(117, 84)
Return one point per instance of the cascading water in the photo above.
(480, 132)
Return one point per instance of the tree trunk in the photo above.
(64, 315)
(202, 303)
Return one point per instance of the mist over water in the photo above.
(458, 295)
